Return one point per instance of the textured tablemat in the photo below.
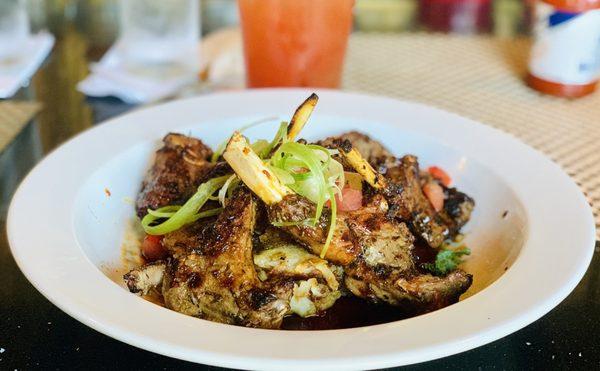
(13, 117)
(482, 78)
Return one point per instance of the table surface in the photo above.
(36, 334)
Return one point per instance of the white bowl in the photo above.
(64, 230)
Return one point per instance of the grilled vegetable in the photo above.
(301, 116)
(253, 172)
(358, 163)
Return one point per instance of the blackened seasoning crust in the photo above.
(404, 194)
(178, 169)
(213, 275)
(376, 255)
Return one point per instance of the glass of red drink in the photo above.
(295, 42)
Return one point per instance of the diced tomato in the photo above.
(435, 195)
(152, 248)
(439, 174)
(351, 200)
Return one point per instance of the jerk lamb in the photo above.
(259, 231)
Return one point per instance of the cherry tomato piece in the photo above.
(351, 200)
(435, 195)
(152, 248)
(439, 174)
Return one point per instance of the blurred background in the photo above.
(86, 29)
(100, 18)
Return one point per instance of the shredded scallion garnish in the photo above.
(309, 170)
(223, 191)
(176, 217)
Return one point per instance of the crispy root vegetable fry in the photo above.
(252, 171)
(358, 163)
(301, 116)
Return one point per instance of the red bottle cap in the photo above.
(560, 90)
(574, 6)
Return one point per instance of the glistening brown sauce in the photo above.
(423, 253)
(347, 312)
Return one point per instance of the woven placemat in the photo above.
(13, 118)
(482, 78)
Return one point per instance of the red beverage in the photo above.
(295, 42)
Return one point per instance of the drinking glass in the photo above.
(159, 31)
(14, 27)
(295, 42)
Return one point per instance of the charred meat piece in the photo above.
(402, 185)
(177, 171)
(215, 279)
(146, 278)
(297, 209)
(381, 265)
(211, 273)
(373, 247)
(408, 202)
(418, 293)
(457, 210)
(385, 271)
(373, 151)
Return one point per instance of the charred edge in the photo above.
(131, 281)
(346, 146)
(195, 280)
(260, 298)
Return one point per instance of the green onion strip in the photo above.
(178, 216)
(310, 171)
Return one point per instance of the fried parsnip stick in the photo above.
(358, 163)
(251, 170)
(286, 206)
(301, 116)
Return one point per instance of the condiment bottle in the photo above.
(565, 57)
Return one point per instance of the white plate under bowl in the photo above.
(63, 228)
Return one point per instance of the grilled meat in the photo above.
(295, 208)
(403, 190)
(376, 253)
(386, 270)
(373, 151)
(415, 294)
(457, 209)
(211, 274)
(144, 279)
(238, 269)
(216, 279)
(408, 202)
(374, 248)
(178, 169)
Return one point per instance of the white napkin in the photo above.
(135, 84)
(17, 69)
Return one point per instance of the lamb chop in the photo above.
(178, 169)
(374, 249)
(400, 181)
(211, 274)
